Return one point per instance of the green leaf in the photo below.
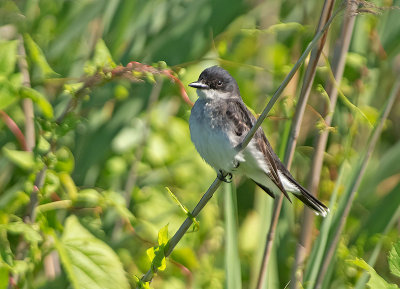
(196, 226)
(375, 281)
(163, 236)
(65, 160)
(156, 254)
(102, 58)
(89, 262)
(394, 259)
(69, 185)
(140, 284)
(8, 93)
(8, 56)
(28, 231)
(22, 159)
(88, 198)
(37, 57)
(39, 99)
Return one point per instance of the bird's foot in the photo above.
(225, 177)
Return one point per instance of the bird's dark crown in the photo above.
(219, 79)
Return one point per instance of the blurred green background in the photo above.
(114, 155)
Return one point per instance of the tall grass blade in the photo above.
(232, 260)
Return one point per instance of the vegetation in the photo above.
(97, 170)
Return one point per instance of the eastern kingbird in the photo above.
(218, 123)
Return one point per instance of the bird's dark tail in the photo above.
(306, 197)
(312, 202)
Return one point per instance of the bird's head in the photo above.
(214, 83)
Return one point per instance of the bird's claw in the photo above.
(227, 178)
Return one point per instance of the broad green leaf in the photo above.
(37, 57)
(8, 56)
(375, 281)
(22, 159)
(394, 259)
(89, 262)
(39, 99)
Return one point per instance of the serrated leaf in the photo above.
(36, 55)
(39, 99)
(22, 159)
(8, 56)
(394, 259)
(89, 262)
(375, 281)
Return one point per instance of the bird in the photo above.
(218, 123)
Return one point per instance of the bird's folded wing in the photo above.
(243, 120)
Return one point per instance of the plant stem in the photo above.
(207, 196)
(356, 183)
(317, 162)
(186, 225)
(325, 21)
(27, 103)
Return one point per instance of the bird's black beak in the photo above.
(199, 85)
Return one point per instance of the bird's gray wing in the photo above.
(243, 120)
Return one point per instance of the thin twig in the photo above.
(13, 127)
(356, 183)
(316, 167)
(326, 19)
(186, 225)
(207, 196)
(339, 60)
(27, 102)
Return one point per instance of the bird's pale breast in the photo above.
(209, 133)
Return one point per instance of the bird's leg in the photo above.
(225, 177)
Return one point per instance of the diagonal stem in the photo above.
(356, 183)
(217, 182)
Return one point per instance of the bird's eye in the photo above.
(219, 83)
